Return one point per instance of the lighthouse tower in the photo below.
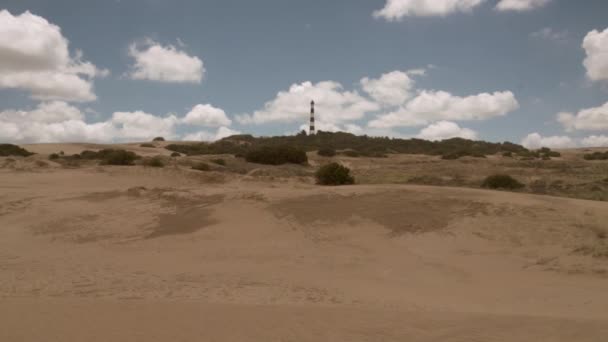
(312, 118)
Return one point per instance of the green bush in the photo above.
(154, 162)
(7, 150)
(597, 156)
(326, 152)
(201, 167)
(502, 182)
(334, 174)
(219, 161)
(276, 155)
(159, 139)
(352, 154)
(116, 157)
(176, 154)
(54, 156)
(147, 145)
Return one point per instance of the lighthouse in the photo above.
(312, 118)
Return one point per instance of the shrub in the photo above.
(176, 154)
(276, 155)
(597, 156)
(116, 157)
(507, 154)
(201, 167)
(219, 161)
(53, 156)
(326, 152)
(352, 154)
(334, 174)
(7, 150)
(502, 182)
(147, 145)
(159, 139)
(154, 162)
(86, 154)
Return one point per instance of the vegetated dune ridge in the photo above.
(101, 253)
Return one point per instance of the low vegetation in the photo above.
(176, 154)
(334, 174)
(201, 167)
(326, 152)
(597, 156)
(153, 162)
(461, 154)
(503, 182)
(148, 145)
(9, 150)
(365, 146)
(276, 155)
(54, 156)
(111, 156)
(219, 161)
(159, 139)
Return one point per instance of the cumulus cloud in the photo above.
(443, 130)
(596, 48)
(391, 89)
(591, 119)
(520, 5)
(156, 62)
(431, 106)
(536, 141)
(60, 122)
(207, 115)
(595, 141)
(398, 9)
(333, 105)
(34, 56)
(222, 132)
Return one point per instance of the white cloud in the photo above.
(165, 64)
(52, 122)
(333, 105)
(391, 89)
(139, 125)
(398, 9)
(222, 132)
(595, 141)
(443, 130)
(60, 122)
(35, 57)
(596, 48)
(207, 115)
(431, 106)
(536, 141)
(591, 119)
(548, 33)
(520, 5)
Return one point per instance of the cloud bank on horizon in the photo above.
(36, 58)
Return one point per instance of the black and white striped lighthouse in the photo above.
(312, 118)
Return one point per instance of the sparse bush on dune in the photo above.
(276, 155)
(501, 181)
(219, 161)
(147, 145)
(54, 156)
(159, 139)
(334, 174)
(9, 150)
(153, 162)
(596, 156)
(201, 167)
(326, 152)
(176, 154)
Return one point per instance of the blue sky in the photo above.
(236, 56)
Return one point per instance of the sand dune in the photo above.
(138, 254)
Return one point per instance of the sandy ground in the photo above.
(139, 254)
